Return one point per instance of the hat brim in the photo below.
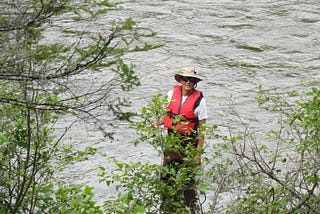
(177, 77)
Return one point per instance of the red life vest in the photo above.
(181, 117)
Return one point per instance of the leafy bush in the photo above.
(278, 173)
(40, 78)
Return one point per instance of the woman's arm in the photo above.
(156, 124)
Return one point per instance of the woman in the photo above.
(185, 119)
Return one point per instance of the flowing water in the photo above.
(234, 44)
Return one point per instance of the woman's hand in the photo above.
(156, 124)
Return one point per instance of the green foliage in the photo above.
(25, 148)
(272, 178)
(142, 188)
(71, 154)
(139, 185)
(153, 188)
(147, 133)
(65, 199)
(50, 53)
(308, 118)
(40, 68)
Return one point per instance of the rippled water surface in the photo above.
(234, 44)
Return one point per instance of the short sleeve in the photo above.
(169, 94)
(201, 110)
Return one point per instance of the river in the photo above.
(234, 44)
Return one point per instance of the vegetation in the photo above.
(274, 171)
(42, 61)
(144, 186)
(277, 172)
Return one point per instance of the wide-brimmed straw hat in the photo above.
(187, 72)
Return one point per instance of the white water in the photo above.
(234, 44)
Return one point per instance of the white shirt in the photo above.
(201, 109)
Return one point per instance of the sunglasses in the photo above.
(190, 79)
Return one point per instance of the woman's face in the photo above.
(188, 83)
